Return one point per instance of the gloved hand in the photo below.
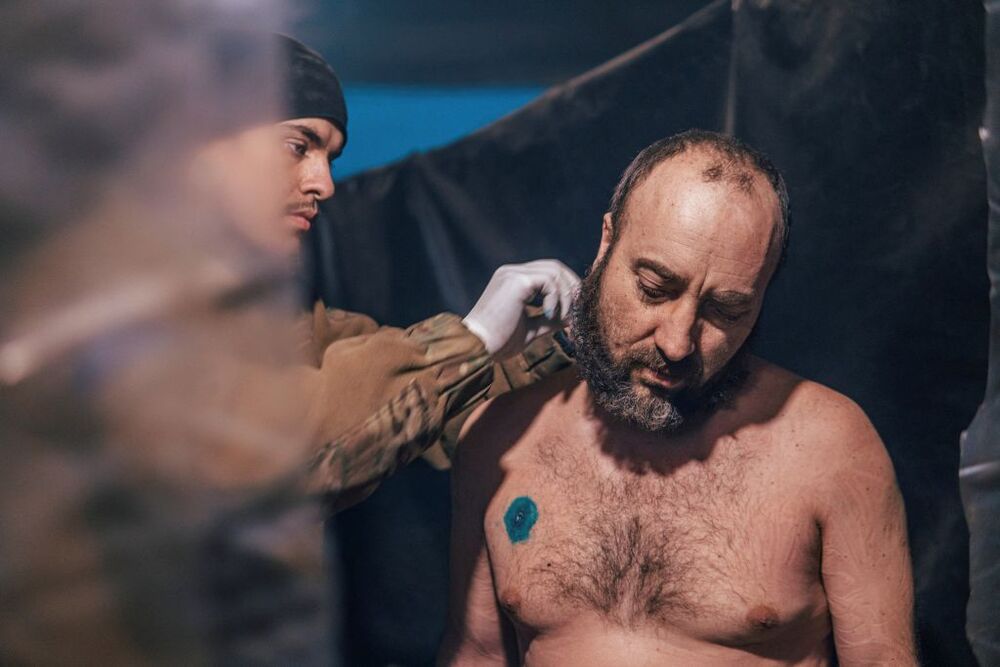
(500, 319)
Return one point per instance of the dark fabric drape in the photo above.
(980, 471)
(870, 109)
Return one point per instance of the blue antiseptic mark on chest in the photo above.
(520, 517)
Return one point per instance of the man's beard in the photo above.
(611, 382)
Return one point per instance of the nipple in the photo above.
(762, 617)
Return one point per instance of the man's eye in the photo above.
(726, 316)
(299, 149)
(650, 292)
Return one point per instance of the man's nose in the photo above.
(675, 330)
(318, 181)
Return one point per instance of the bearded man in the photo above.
(674, 499)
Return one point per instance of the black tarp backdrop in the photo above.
(447, 42)
(980, 471)
(870, 109)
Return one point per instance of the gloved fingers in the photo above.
(499, 318)
(537, 280)
(525, 282)
(566, 285)
(551, 302)
(570, 287)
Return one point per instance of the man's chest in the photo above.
(711, 549)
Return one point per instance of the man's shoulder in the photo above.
(826, 432)
(836, 453)
(814, 412)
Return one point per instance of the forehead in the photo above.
(679, 217)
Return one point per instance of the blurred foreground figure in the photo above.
(674, 500)
(146, 346)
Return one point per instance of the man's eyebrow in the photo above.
(308, 133)
(660, 269)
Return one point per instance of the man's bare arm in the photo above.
(476, 631)
(866, 561)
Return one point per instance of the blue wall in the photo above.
(388, 122)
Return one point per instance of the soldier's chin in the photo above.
(281, 244)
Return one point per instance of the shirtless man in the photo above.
(673, 499)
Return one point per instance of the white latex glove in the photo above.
(499, 318)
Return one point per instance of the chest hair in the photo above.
(640, 544)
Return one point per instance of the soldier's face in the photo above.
(270, 179)
(310, 144)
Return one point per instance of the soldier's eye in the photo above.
(297, 147)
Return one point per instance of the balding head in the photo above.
(723, 160)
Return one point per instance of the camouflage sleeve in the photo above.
(324, 326)
(384, 395)
(542, 357)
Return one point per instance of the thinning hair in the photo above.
(732, 162)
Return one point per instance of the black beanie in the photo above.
(311, 86)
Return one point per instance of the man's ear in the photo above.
(607, 234)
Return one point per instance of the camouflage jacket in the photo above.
(388, 395)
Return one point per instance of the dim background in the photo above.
(472, 144)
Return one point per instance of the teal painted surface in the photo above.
(520, 518)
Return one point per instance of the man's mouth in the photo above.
(301, 218)
(662, 379)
